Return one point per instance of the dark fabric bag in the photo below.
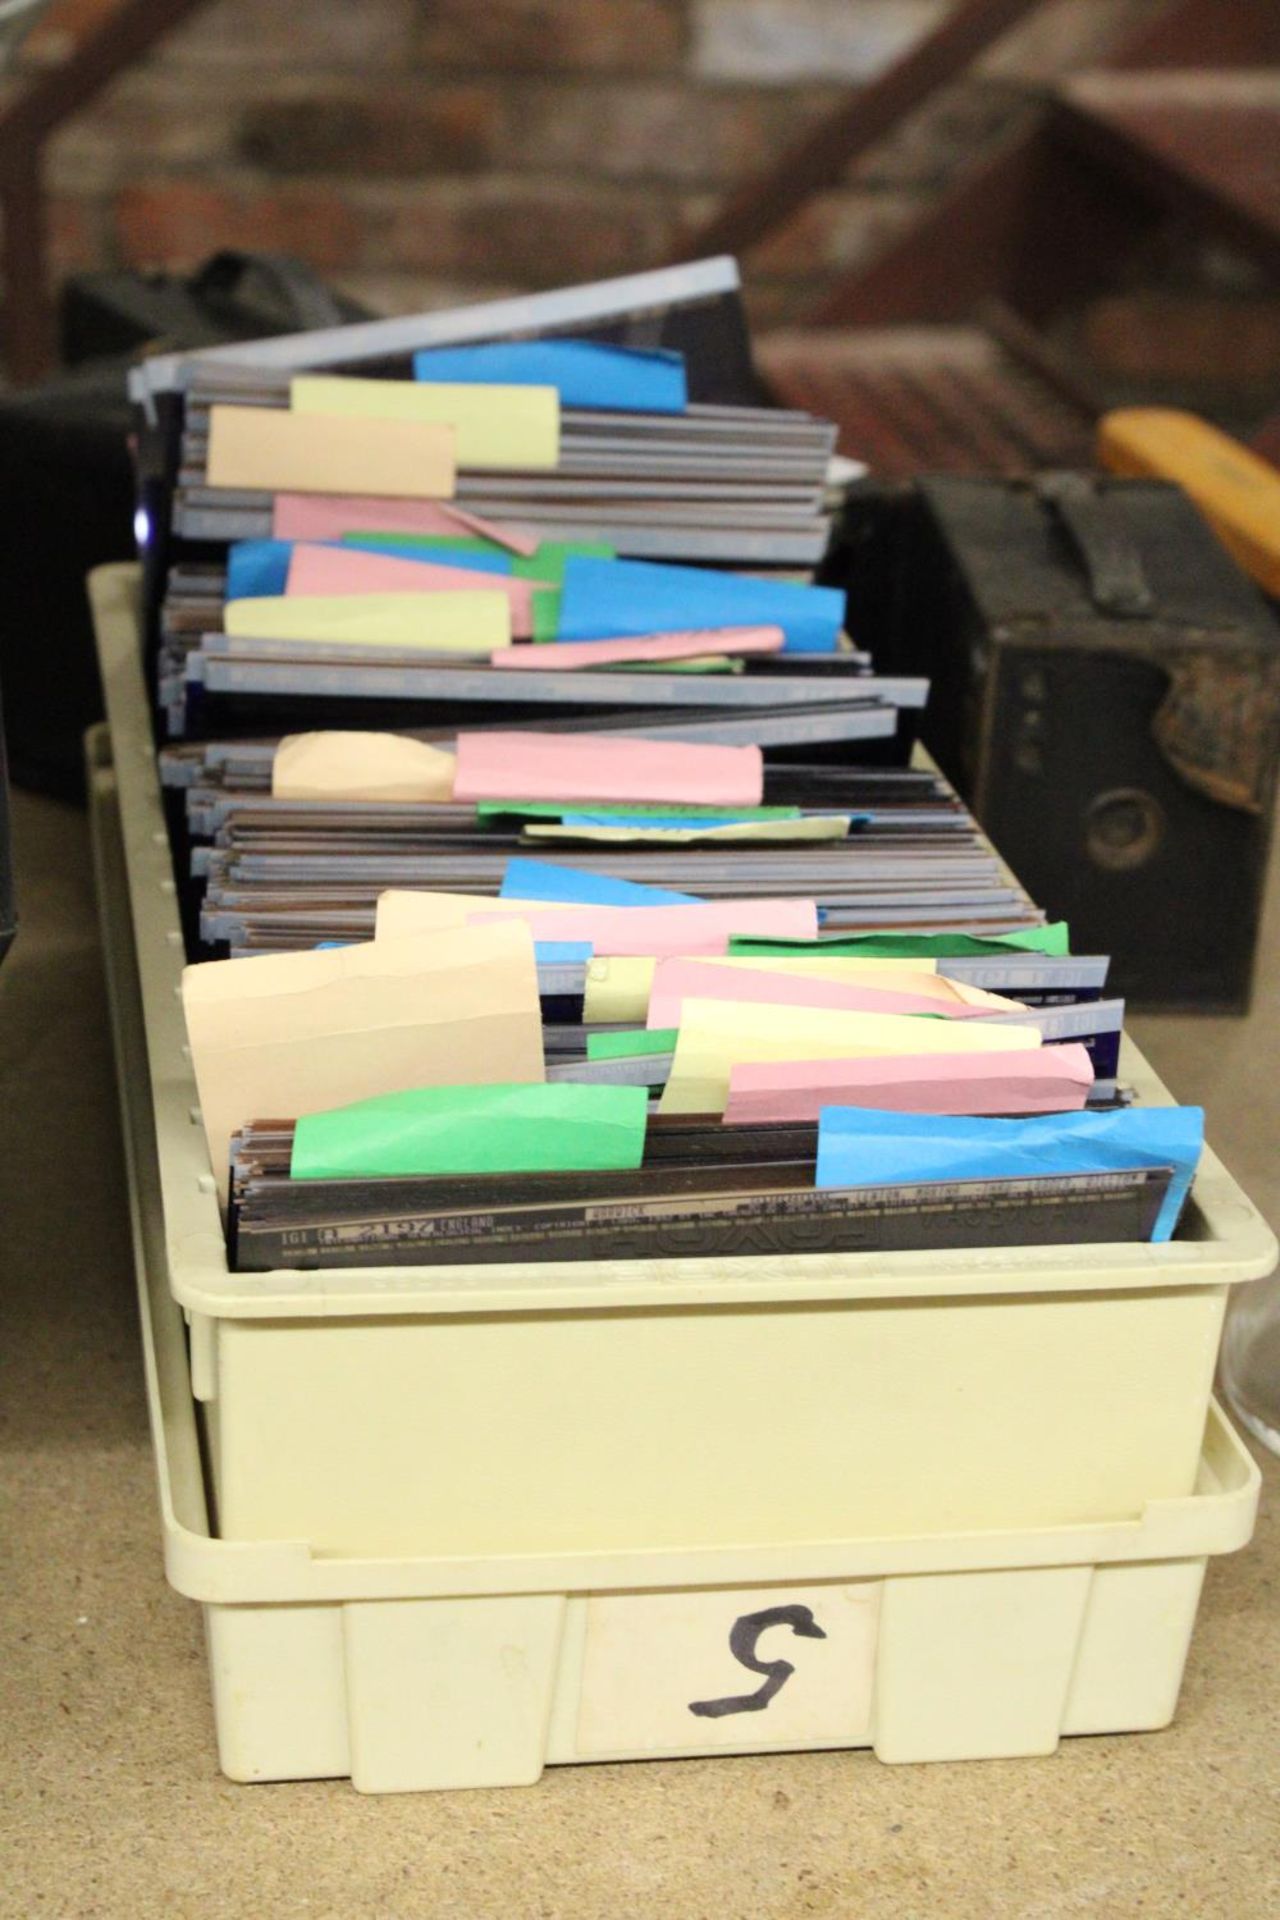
(67, 483)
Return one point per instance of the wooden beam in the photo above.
(27, 330)
(1023, 227)
(1043, 357)
(112, 45)
(993, 236)
(51, 99)
(1205, 33)
(858, 123)
(1201, 145)
(1265, 440)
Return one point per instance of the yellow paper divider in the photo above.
(496, 427)
(346, 764)
(448, 622)
(265, 449)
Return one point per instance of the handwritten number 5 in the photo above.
(742, 1645)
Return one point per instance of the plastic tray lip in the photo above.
(282, 1572)
(1240, 1246)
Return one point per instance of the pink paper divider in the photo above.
(674, 982)
(618, 932)
(334, 570)
(1053, 1079)
(605, 767)
(310, 516)
(567, 655)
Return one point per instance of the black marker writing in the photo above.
(742, 1645)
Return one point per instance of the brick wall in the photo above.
(421, 151)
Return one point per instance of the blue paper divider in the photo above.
(585, 373)
(544, 880)
(258, 569)
(864, 1147)
(562, 953)
(616, 599)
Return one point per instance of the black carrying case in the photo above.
(233, 296)
(8, 909)
(1106, 695)
(68, 486)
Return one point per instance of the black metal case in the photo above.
(1107, 698)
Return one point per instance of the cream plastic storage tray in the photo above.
(668, 1406)
(465, 1670)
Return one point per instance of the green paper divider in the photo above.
(1052, 940)
(549, 561)
(546, 563)
(545, 567)
(525, 1128)
(546, 614)
(628, 1045)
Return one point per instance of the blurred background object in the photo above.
(17, 17)
(8, 909)
(1124, 226)
(1250, 1365)
(1103, 173)
(967, 227)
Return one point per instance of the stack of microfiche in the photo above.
(522, 857)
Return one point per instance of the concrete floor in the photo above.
(113, 1805)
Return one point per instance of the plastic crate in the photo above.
(948, 1506)
(475, 1669)
(673, 1405)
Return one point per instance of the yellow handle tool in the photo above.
(1237, 491)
